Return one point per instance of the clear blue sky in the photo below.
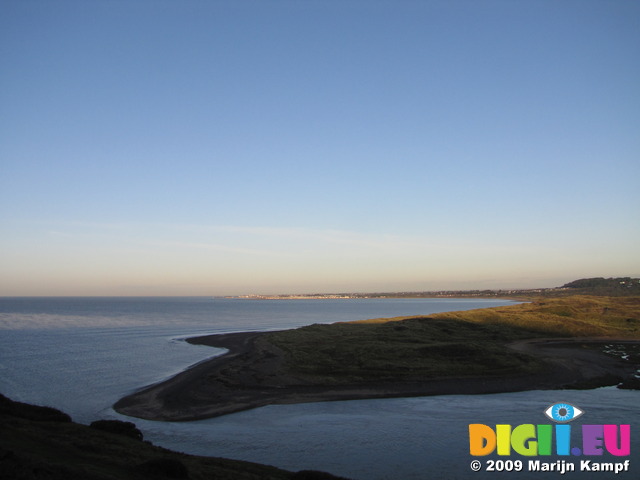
(231, 147)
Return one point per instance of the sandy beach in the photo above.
(252, 374)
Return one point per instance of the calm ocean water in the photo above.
(83, 354)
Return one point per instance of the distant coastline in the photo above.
(493, 294)
(619, 286)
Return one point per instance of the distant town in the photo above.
(434, 294)
(621, 286)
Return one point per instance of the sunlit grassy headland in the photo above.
(467, 343)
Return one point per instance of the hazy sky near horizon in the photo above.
(231, 147)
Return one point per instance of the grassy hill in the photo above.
(467, 343)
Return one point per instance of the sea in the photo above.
(82, 354)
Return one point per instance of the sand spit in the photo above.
(252, 374)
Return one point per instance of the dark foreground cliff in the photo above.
(43, 443)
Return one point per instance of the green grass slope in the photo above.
(468, 343)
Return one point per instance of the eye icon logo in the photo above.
(563, 412)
